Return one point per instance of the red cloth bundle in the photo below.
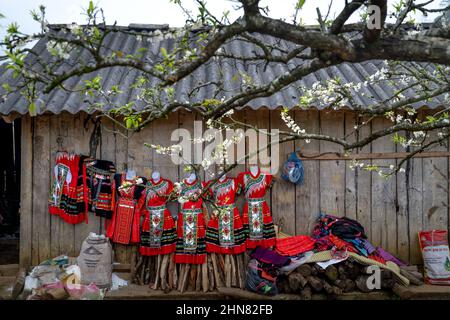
(292, 246)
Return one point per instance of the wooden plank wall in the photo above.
(391, 211)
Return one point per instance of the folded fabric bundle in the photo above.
(269, 257)
(389, 257)
(295, 245)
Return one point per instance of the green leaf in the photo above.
(90, 10)
(300, 4)
(32, 109)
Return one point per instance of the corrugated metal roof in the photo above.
(224, 69)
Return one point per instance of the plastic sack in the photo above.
(293, 169)
(82, 292)
(436, 258)
(259, 281)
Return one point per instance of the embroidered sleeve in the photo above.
(169, 187)
(140, 208)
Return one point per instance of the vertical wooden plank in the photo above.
(332, 173)
(404, 202)
(139, 158)
(121, 139)
(351, 192)
(26, 191)
(364, 183)
(55, 221)
(162, 131)
(308, 194)
(239, 116)
(80, 136)
(384, 220)
(435, 189)
(41, 181)
(260, 119)
(283, 192)
(62, 130)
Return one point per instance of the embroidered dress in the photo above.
(158, 233)
(124, 225)
(225, 233)
(257, 218)
(99, 191)
(64, 188)
(191, 245)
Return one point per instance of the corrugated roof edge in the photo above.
(15, 114)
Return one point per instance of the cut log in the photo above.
(361, 283)
(306, 293)
(315, 283)
(305, 270)
(331, 273)
(297, 282)
(413, 279)
(318, 269)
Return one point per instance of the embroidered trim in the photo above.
(190, 228)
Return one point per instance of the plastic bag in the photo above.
(293, 169)
(436, 257)
(82, 292)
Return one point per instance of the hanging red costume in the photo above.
(225, 233)
(124, 225)
(256, 217)
(64, 190)
(158, 233)
(191, 245)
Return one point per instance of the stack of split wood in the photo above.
(346, 276)
(160, 272)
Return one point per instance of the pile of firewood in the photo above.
(160, 272)
(346, 276)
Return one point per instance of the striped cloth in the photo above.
(295, 245)
(326, 255)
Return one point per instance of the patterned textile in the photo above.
(158, 232)
(99, 189)
(65, 188)
(225, 233)
(269, 257)
(191, 230)
(257, 219)
(293, 246)
(124, 225)
(326, 255)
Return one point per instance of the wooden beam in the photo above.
(366, 156)
(26, 203)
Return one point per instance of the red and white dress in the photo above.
(191, 245)
(257, 218)
(225, 233)
(158, 233)
(124, 225)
